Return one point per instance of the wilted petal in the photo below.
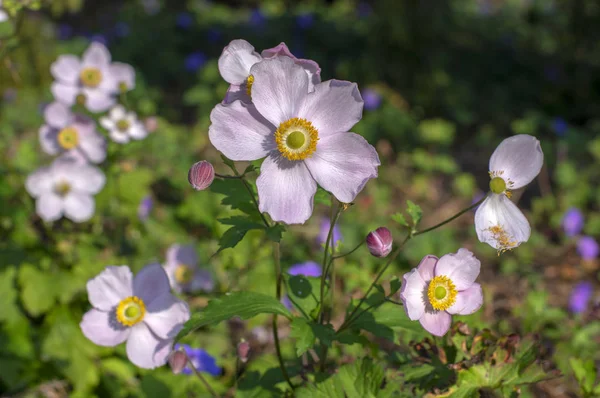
(462, 268)
(96, 56)
(499, 211)
(145, 349)
(520, 158)
(58, 115)
(151, 282)
(109, 287)
(236, 60)
(166, 315)
(239, 132)
(64, 93)
(342, 164)
(285, 190)
(427, 266)
(102, 329)
(467, 301)
(412, 294)
(66, 69)
(49, 206)
(436, 323)
(79, 207)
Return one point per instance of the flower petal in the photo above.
(498, 210)
(342, 164)
(85, 179)
(48, 140)
(182, 254)
(123, 73)
(118, 137)
(137, 131)
(427, 266)
(461, 267)
(520, 158)
(49, 206)
(166, 315)
(279, 89)
(66, 69)
(79, 207)
(334, 106)
(468, 301)
(236, 92)
(436, 323)
(311, 67)
(117, 113)
(92, 144)
(203, 280)
(39, 182)
(151, 282)
(109, 287)
(285, 190)
(98, 100)
(145, 349)
(412, 294)
(239, 132)
(96, 55)
(58, 115)
(64, 93)
(236, 60)
(103, 329)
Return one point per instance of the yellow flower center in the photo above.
(123, 87)
(90, 77)
(441, 293)
(296, 139)
(68, 138)
(499, 184)
(249, 83)
(62, 188)
(123, 125)
(130, 311)
(183, 273)
(80, 99)
(503, 239)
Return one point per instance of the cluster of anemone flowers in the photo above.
(84, 88)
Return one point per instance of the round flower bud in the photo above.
(201, 175)
(177, 361)
(243, 349)
(380, 242)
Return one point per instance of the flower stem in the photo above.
(202, 379)
(325, 268)
(460, 213)
(252, 196)
(350, 252)
(278, 279)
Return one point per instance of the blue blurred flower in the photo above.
(122, 29)
(559, 126)
(324, 231)
(184, 20)
(201, 360)
(213, 35)
(371, 98)
(65, 31)
(309, 268)
(305, 20)
(572, 222)
(257, 18)
(195, 61)
(588, 248)
(145, 208)
(580, 297)
(100, 38)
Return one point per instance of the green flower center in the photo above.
(123, 125)
(183, 273)
(440, 292)
(497, 185)
(130, 311)
(296, 140)
(62, 188)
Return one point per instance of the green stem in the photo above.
(325, 266)
(451, 218)
(252, 196)
(350, 252)
(278, 279)
(229, 177)
(202, 379)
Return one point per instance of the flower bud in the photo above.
(380, 242)
(151, 124)
(177, 361)
(243, 349)
(201, 175)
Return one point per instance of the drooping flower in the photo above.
(66, 187)
(309, 268)
(379, 242)
(238, 58)
(572, 222)
(88, 81)
(514, 164)
(123, 126)
(75, 135)
(304, 136)
(145, 208)
(588, 248)
(184, 273)
(336, 235)
(140, 310)
(580, 297)
(440, 288)
(202, 360)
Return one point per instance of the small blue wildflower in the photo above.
(201, 360)
(305, 21)
(145, 208)
(559, 126)
(195, 61)
(309, 268)
(324, 231)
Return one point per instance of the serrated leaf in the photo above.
(241, 304)
(395, 285)
(236, 196)
(228, 162)
(415, 212)
(240, 227)
(302, 331)
(400, 219)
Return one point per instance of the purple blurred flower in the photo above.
(145, 208)
(184, 20)
(588, 248)
(122, 29)
(305, 21)
(572, 221)
(324, 231)
(257, 18)
(64, 31)
(559, 126)
(285, 300)
(99, 38)
(372, 99)
(476, 198)
(309, 268)
(195, 61)
(580, 297)
(184, 273)
(202, 360)
(364, 9)
(213, 35)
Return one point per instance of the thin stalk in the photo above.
(251, 192)
(350, 252)
(202, 379)
(325, 267)
(228, 177)
(278, 279)
(460, 213)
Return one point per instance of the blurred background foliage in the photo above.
(443, 82)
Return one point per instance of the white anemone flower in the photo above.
(514, 164)
(66, 187)
(123, 126)
(3, 14)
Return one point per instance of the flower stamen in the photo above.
(131, 311)
(68, 138)
(90, 77)
(183, 273)
(504, 240)
(62, 188)
(441, 293)
(123, 125)
(296, 139)
(249, 83)
(499, 184)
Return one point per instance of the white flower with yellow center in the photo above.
(123, 126)
(184, 273)
(514, 164)
(440, 288)
(72, 134)
(66, 187)
(140, 310)
(303, 135)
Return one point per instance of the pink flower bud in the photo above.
(201, 175)
(243, 349)
(380, 242)
(177, 361)
(151, 124)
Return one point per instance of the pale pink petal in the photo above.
(108, 288)
(462, 268)
(86, 179)
(436, 323)
(58, 115)
(118, 136)
(151, 282)
(96, 56)
(280, 49)
(311, 67)
(39, 182)
(342, 164)
(97, 100)
(239, 132)
(182, 254)
(92, 144)
(500, 211)
(519, 158)
(235, 93)
(145, 349)
(236, 60)
(467, 301)
(412, 294)
(123, 73)
(117, 112)
(279, 89)
(166, 315)
(49, 206)
(426, 267)
(66, 68)
(285, 190)
(103, 329)
(137, 131)
(79, 207)
(64, 93)
(48, 140)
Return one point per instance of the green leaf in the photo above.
(304, 292)
(395, 285)
(10, 312)
(242, 304)
(585, 373)
(275, 232)
(400, 219)
(230, 163)
(415, 212)
(234, 235)
(303, 333)
(236, 196)
(323, 197)
(37, 289)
